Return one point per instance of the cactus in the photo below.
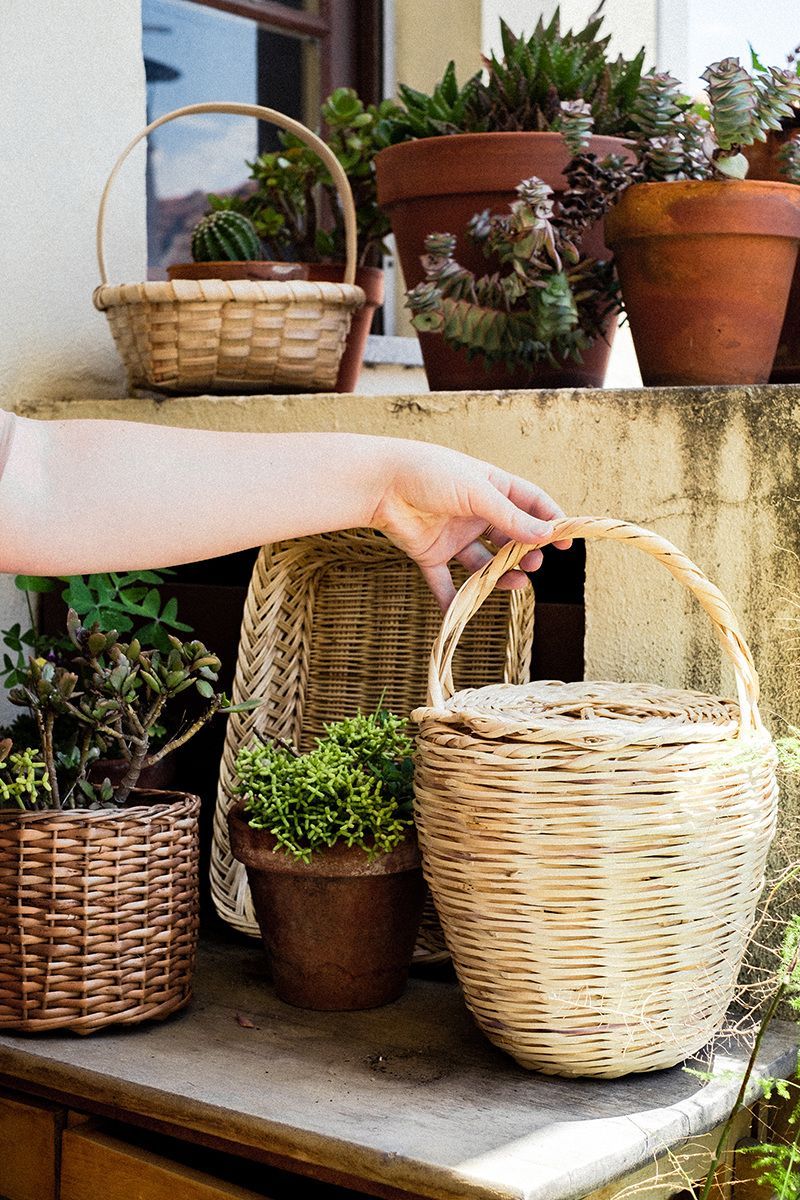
(225, 236)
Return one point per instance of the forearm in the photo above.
(82, 496)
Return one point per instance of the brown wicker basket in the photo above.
(98, 913)
(232, 335)
(336, 623)
(595, 850)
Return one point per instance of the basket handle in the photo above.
(263, 114)
(477, 588)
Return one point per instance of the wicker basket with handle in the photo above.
(595, 850)
(232, 335)
(335, 623)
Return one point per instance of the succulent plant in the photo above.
(789, 159)
(545, 300)
(525, 88)
(225, 237)
(294, 207)
(115, 693)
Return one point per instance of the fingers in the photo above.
(510, 519)
(440, 582)
(528, 496)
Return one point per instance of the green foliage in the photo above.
(789, 159)
(354, 787)
(225, 237)
(294, 207)
(525, 87)
(545, 300)
(112, 694)
(23, 778)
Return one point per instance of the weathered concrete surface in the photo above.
(714, 470)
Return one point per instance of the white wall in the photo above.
(72, 94)
(632, 23)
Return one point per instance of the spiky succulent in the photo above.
(225, 237)
(526, 86)
(789, 159)
(544, 301)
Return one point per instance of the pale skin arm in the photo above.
(83, 496)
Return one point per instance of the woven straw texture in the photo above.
(232, 335)
(98, 914)
(331, 625)
(595, 850)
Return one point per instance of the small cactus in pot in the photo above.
(225, 237)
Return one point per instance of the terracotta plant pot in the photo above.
(99, 913)
(372, 281)
(159, 777)
(764, 165)
(436, 185)
(339, 931)
(254, 269)
(705, 270)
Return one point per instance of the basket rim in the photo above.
(88, 816)
(227, 291)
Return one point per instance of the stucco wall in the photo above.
(73, 95)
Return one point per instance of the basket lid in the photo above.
(587, 714)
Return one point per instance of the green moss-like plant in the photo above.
(353, 787)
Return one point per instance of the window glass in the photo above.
(195, 53)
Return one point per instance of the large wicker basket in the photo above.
(98, 914)
(335, 623)
(237, 335)
(595, 850)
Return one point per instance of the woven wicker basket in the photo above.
(235, 335)
(332, 624)
(595, 850)
(98, 914)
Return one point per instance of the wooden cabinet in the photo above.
(98, 1166)
(30, 1134)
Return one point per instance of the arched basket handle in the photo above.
(263, 114)
(478, 587)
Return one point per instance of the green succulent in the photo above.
(544, 300)
(789, 159)
(354, 787)
(225, 237)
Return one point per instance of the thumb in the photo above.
(497, 510)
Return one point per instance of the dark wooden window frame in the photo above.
(349, 33)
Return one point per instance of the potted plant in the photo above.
(547, 303)
(330, 848)
(291, 220)
(98, 882)
(461, 150)
(706, 256)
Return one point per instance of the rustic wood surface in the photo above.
(410, 1096)
(30, 1131)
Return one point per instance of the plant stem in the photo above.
(168, 747)
(738, 1104)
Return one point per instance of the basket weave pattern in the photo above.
(595, 850)
(332, 624)
(98, 915)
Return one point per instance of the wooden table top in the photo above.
(410, 1096)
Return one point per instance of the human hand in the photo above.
(437, 503)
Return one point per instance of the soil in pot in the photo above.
(436, 185)
(705, 270)
(253, 269)
(372, 281)
(339, 931)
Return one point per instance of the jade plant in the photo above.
(541, 298)
(354, 787)
(293, 204)
(114, 694)
(525, 87)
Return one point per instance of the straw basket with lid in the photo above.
(232, 335)
(595, 850)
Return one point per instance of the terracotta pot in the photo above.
(436, 185)
(764, 165)
(339, 931)
(705, 270)
(372, 281)
(254, 269)
(99, 910)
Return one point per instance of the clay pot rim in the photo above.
(257, 849)
(84, 816)
(397, 166)
(638, 215)
(227, 269)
